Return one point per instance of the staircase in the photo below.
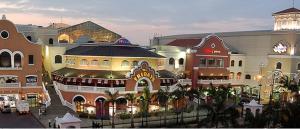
(56, 106)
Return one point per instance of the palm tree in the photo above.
(197, 93)
(112, 97)
(179, 94)
(145, 100)
(218, 110)
(131, 97)
(163, 96)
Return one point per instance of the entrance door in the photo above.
(32, 100)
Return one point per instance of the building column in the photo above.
(195, 74)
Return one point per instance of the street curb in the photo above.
(30, 113)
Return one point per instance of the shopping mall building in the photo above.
(243, 59)
(91, 69)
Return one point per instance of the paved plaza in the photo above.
(14, 120)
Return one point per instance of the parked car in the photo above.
(6, 109)
(22, 107)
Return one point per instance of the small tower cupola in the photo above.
(288, 19)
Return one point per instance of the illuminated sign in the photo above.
(144, 74)
(280, 48)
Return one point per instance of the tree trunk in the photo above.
(113, 116)
(198, 111)
(132, 122)
(165, 115)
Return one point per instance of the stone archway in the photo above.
(139, 87)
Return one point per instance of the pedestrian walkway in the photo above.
(56, 109)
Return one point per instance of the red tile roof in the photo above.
(288, 11)
(188, 43)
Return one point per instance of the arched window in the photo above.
(17, 60)
(5, 59)
(83, 62)
(231, 75)
(105, 63)
(171, 61)
(278, 65)
(240, 63)
(135, 63)
(125, 63)
(50, 41)
(248, 76)
(79, 103)
(58, 59)
(238, 76)
(298, 67)
(232, 63)
(29, 38)
(181, 61)
(95, 62)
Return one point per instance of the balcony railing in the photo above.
(7, 85)
(185, 81)
(31, 84)
(213, 81)
(88, 89)
(10, 68)
(231, 81)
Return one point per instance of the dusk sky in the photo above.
(138, 20)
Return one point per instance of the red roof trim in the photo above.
(189, 43)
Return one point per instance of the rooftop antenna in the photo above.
(293, 3)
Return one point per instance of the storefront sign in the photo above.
(143, 71)
(144, 74)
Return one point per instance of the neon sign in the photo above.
(280, 48)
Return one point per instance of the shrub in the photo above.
(124, 116)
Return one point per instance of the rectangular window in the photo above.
(202, 62)
(220, 63)
(30, 60)
(211, 63)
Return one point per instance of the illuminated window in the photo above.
(94, 62)
(171, 61)
(135, 63)
(83, 62)
(202, 62)
(232, 63)
(106, 63)
(63, 38)
(125, 63)
(231, 75)
(278, 65)
(238, 76)
(181, 61)
(240, 63)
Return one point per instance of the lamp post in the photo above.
(142, 99)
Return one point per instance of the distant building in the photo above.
(245, 59)
(86, 32)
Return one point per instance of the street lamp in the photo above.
(142, 99)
